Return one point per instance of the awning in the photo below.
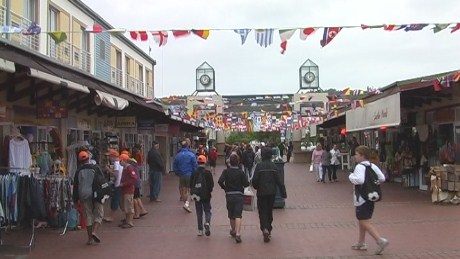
(333, 122)
(111, 101)
(7, 66)
(383, 112)
(57, 80)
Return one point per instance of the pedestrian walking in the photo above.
(316, 161)
(335, 161)
(93, 211)
(266, 179)
(184, 165)
(233, 180)
(364, 208)
(290, 148)
(326, 165)
(156, 170)
(202, 181)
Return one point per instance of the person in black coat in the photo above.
(266, 178)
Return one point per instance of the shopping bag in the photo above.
(311, 168)
(249, 199)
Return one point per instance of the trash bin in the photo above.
(279, 201)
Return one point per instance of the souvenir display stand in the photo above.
(445, 184)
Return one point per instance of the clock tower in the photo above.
(205, 79)
(309, 76)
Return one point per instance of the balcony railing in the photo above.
(116, 76)
(18, 21)
(66, 53)
(134, 85)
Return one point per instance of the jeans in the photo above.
(199, 208)
(265, 208)
(155, 184)
(328, 169)
(334, 171)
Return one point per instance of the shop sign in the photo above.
(145, 124)
(51, 109)
(161, 127)
(109, 123)
(125, 122)
(383, 112)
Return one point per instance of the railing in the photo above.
(116, 76)
(18, 21)
(149, 93)
(134, 85)
(66, 53)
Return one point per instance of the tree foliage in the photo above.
(246, 137)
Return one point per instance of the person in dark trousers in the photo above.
(326, 165)
(248, 160)
(156, 169)
(266, 178)
(203, 203)
(289, 151)
(233, 180)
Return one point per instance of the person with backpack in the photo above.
(83, 192)
(366, 178)
(201, 185)
(266, 179)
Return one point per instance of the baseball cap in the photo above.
(126, 152)
(112, 152)
(201, 159)
(124, 157)
(83, 155)
(154, 142)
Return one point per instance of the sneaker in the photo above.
(238, 239)
(233, 234)
(266, 234)
(382, 243)
(207, 231)
(187, 208)
(200, 233)
(359, 246)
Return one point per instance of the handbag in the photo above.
(249, 199)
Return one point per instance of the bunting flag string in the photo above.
(263, 37)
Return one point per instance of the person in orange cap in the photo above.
(83, 193)
(201, 185)
(115, 170)
(127, 187)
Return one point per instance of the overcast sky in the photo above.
(356, 58)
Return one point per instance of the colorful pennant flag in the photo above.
(264, 37)
(33, 29)
(11, 29)
(141, 35)
(436, 85)
(416, 27)
(180, 33)
(440, 26)
(392, 27)
(285, 35)
(346, 91)
(58, 37)
(243, 34)
(329, 34)
(96, 29)
(160, 37)
(455, 28)
(204, 34)
(304, 33)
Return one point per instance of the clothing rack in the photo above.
(9, 226)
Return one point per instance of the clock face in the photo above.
(205, 80)
(309, 77)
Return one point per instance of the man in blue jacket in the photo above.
(184, 165)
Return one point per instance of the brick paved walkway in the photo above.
(318, 222)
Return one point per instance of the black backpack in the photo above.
(370, 190)
(102, 187)
(199, 190)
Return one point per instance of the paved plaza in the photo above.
(318, 222)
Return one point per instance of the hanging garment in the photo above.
(19, 155)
